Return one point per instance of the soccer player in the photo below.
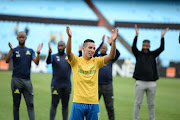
(85, 77)
(145, 74)
(105, 78)
(21, 83)
(61, 82)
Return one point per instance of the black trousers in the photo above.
(22, 86)
(107, 92)
(58, 93)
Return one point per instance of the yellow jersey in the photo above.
(85, 79)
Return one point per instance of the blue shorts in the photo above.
(80, 111)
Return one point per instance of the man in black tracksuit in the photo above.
(145, 74)
(61, 81)
(105, 79)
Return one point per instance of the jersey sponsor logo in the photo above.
(87, 72)
(55, 92)
(17, 54)
(28, 52)
(17, 91)
(58, 58)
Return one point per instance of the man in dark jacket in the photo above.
(146, 74)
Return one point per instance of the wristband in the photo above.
(50, 51)
(38, 53)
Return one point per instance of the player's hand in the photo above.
(10, 46)
(109, 41)
(164, 32)
(114, 34)
(49, 45)
(80, 47)
(103, 38)
(39, 47)
(68, 31)
(137, 31)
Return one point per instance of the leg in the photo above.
(65, 100)
(151, 91)
(109, 100)
(139, 93)
(55, 100)
(28, 96)
(93, 112)
(16, 92)
(77, 111)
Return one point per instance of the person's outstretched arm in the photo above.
(8, 57)
(37, 58)
(68, 46)
(80, 50)
(117, 51)
(97, 50)
(48, 60)
(134, 46)
(109, 57)
(161, 48)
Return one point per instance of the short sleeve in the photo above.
(100, 62)
(12, 55)
(73, 61)
(51, 58)
(33, 54)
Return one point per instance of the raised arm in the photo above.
(161, 48)
(8, 57)
(48, 60)
(80, 50)
(109, 57)
(109, 41)
(97, 50)
(37, 58)
(68, 46)
(134, 47)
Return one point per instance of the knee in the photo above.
(30, 105)
(54, 104)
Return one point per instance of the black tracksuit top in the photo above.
(145, 68)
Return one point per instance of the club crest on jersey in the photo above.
(28, 52)
(92, 64)
(66, 58)
(17, 54)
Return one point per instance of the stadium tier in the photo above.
(48, 9)
(140, 11)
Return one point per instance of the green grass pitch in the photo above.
(167, 101)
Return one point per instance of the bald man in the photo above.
(105, 78)
(61, 83)
(21, 83)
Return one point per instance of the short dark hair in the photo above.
(88, 40)
(146, 41)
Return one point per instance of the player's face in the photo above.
(145, 47)
(103, 49)
(61, 46)
(21, 37)
(89, 49)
